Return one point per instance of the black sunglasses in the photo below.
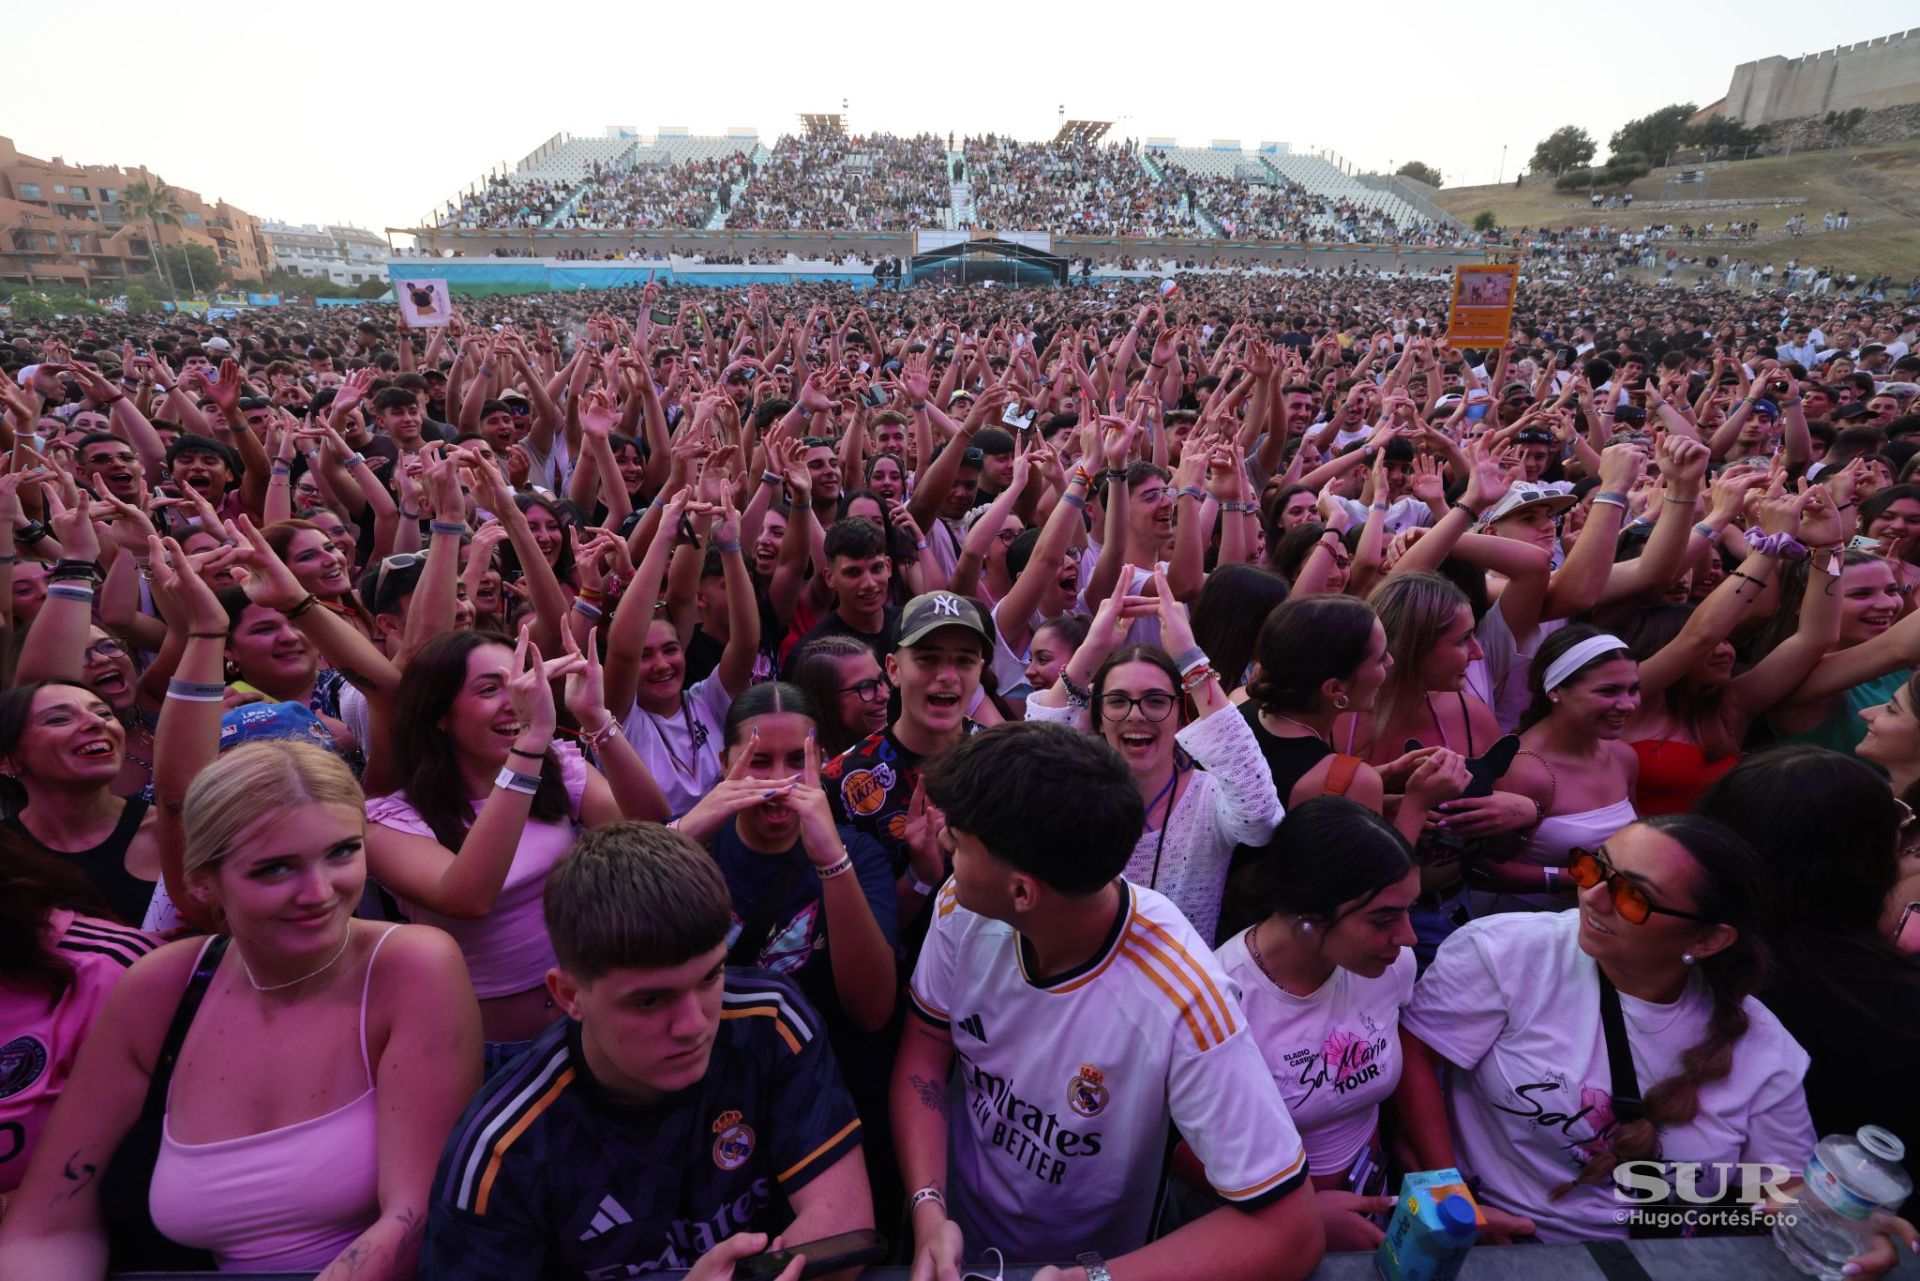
(1587, 868)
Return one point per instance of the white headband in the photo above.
(1562, 668)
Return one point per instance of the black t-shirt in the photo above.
(547, 1175)
(882, 642)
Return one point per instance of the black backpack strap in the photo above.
(1627, 1104)
(133, 1241)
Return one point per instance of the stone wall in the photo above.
(1813, 133)
(1873, 74)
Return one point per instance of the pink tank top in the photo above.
(286, 1200)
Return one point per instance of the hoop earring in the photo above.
(1340, 702)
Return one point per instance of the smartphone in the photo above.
(660, 317)
(875, 396)
(1861, 543)
(829, 1254)
(1011, 417)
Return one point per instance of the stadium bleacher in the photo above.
(828, 181)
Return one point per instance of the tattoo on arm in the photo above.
(356, 679)
(933, 1095)
(79, 1174)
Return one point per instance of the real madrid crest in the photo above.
(1087, 1092)
(733, 1141)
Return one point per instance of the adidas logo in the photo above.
(973, 1027)
(610, 1216)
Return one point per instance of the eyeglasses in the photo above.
(1154, 705)
(1587, 868)
(103, 649)
(874, 689)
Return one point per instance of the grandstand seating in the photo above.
(880, 182)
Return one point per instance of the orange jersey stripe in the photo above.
(766, 1011)
(804, 1161)
(1198, 970)
(1183, 1004)
(505, 1141)
(1184, 977)
(1241, 1194)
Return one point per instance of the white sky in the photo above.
(375, 113)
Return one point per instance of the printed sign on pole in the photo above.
(1482, 311)
(425, 304)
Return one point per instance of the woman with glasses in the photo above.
(848, 686)
(1658, 964)
(1133, 696)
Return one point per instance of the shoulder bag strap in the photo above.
(1627, 1103)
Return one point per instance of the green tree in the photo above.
(30, 304)
(1724, 134)
(140, 301)
(194, 263)
(1485, 221)
(158, 205)
(1567, 147)
(1653, 135)
(1419, 172)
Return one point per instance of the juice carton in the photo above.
(1433, 1227)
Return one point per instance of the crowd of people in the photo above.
(1072, 187)
(676, 195)
(674, 769)
(828, 183)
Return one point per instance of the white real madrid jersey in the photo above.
(1059, 1132)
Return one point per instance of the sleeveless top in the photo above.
(1842, 728)
(1289, 759)
(1675, 773)
(284, 1200)
(105, 865)
(1556, 835)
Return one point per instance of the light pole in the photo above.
(1503, 165)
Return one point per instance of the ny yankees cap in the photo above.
(926, 614)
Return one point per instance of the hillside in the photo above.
(1879, 186)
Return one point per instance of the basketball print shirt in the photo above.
(1058, 1136)
(549, 1176)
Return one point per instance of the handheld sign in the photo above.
(1482, 311)
(424, 304)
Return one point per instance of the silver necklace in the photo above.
(1280, 716)
(275, 987)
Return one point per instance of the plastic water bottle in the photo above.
(1847, 1179)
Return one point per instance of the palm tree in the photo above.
(154, 203)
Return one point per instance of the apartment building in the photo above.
(66, 224)
(343, 255)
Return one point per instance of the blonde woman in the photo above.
(225, 1072)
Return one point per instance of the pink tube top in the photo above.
(285, 1200)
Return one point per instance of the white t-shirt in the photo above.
(1335, 1055)
(1057, 1138)
(1499, 677)
(683, 752)
(1513, 1005)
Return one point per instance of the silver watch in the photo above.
(1094, 1266)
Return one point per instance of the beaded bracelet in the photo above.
(1196, 678)
(196, 691)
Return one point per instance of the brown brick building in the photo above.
(65, 224)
